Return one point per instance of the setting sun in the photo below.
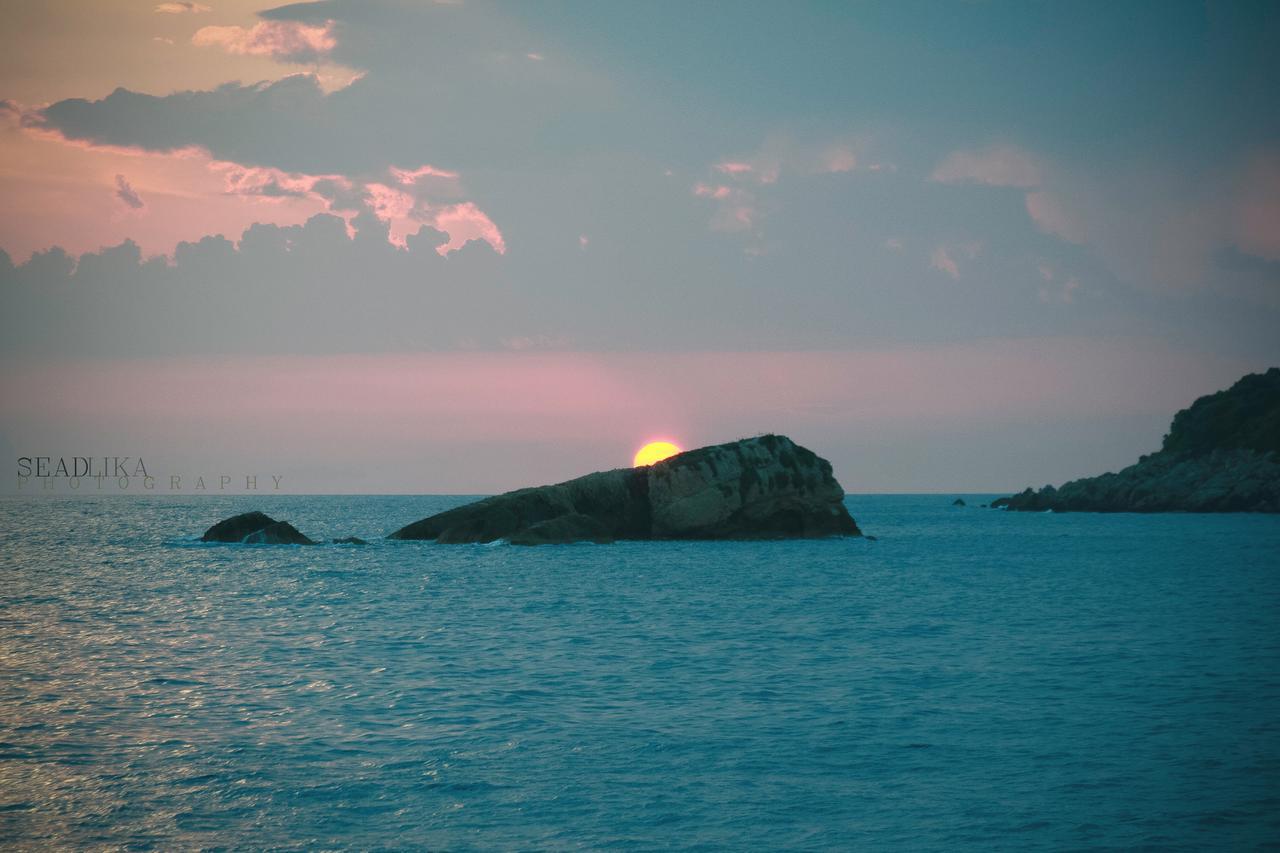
(654, 451)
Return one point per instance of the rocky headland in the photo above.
(766, 487)
(1222, 454)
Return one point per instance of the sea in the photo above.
(969, 679)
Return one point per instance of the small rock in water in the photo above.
(958, 502)
(350, 540)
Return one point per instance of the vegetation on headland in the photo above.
(1222, 454)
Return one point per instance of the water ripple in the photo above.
(973, 679)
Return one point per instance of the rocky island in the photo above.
(255, 528)
(766, 487)
(1222, 454)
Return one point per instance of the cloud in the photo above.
(288, 41)
(1231, 258)
(182, 7)
(403, 199)
(463, 223)
(1156, 225)
(764, 171)
(11, 113)
(411, 176)
(266, 183)
(941, 260)
(410, 147)
(126, 194)
(839, 158)
(740, 184)
(735, 207)
(703, 190)
(945, 258)
(1256, 213)
(215, 120)
(733, 167)
(1049, 213)
(782, 154)
(998, 166)
(324, 284)
(424, 74)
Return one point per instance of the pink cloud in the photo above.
(739, 181)
(708, 191)
(781, 154)
(1000, 166)
(734, 218)
(181, 7)
(276, 39)
(736, 212)
(388, 203)
(466, 222)
(941, 260)
(762, 172)
(396, 208)
(405, 207)
(405, 214)
(1052, 217)
(266, 183)
(69, 196)
(839, 159)
(411, 176)
(190, 195)
(735, 209)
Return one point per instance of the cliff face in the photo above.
(1222, 454)
(761, 487)
(765, 487)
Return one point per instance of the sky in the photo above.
(462, 247)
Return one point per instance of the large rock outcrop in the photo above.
(1222, 454)
(758, 488)
(255, 528)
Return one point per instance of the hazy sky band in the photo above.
(341, 179)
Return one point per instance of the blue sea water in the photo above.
(973, 679)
